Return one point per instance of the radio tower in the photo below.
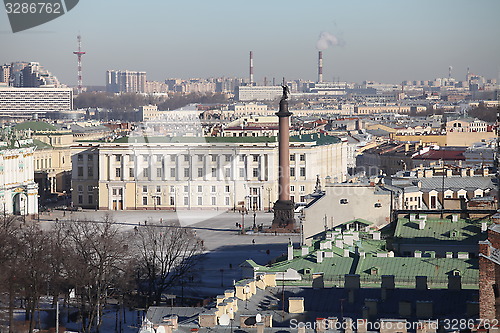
(79, 54)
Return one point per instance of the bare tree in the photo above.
(97, 256)
(9, 261)
(165, 255)
(34, 269)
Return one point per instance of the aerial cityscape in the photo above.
(261, 167)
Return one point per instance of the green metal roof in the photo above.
(41, 145)
(186, 139)
(318, 139)
(463, 231)
(406, 268)
(35, 126)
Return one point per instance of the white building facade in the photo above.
(18, 190)
(190, 173)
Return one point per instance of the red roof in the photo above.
(447, 155)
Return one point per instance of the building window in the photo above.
(214, 158)
(118, 158)
(292, 198)
(255, 158)
(90, 171)
(80, 157)
(91, 199)
(131, 158)
(292, 172)
(80, 188)
(172, 189)
(145, 201)
(212, 189)
(80, 171)
(226, 188)
(158, 200)
(159, 172)
(172, 158)
(227, 201)
(200, 201)
(172, 201)
(302, 198)
(118, 172)
(302, 172)
(186, 201)
(255, 172)
(131, 172)
(186, 189)
(292, 188)
(200, 158)
(145, 172)
(242, 172)
(186, 172)
(214, 172)
(200, 172)
(200, 188)
(90, 158)
(172, 172)
(80, 199)
(158, 189)
(292, 157)
(228, 158)
(145, 158)
(302, 157)
(144, 189)
(302, 188)
(158, 158)
(242, 158)
(227, 173)
(90, 188)
(214, 201)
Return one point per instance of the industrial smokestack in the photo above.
(320, 66)
(251, 67)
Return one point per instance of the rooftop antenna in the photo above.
(79, 55)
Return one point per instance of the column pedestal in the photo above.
(283, 215)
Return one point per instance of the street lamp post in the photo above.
(243, 218)
(269, 199)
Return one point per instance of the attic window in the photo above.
(307, 271)
(344, 201)
(378, 205)
(374, 271)
(454, 233)
(456, 272)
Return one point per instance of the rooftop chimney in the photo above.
(320, 66)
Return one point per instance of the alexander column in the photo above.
(284, 207)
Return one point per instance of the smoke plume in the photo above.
(327, 39)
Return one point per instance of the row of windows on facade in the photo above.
(159, 158)
(187, 172)
(172, 189)
(156, 200)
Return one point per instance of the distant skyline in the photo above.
(385, 41)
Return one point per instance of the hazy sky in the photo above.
(385, 41)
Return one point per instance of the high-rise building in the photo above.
(5, 74)
(125, 81)
(28, 75)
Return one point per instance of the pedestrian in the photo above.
(253, 241)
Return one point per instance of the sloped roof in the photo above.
(455, 183)
(35, 126)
